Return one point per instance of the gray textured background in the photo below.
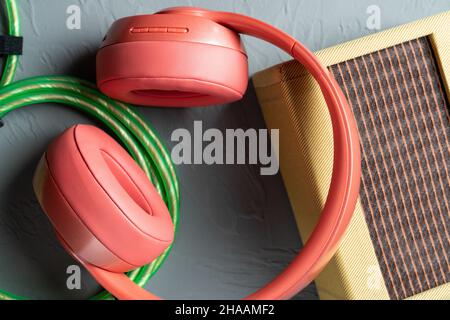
(237, 229)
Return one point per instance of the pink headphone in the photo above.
(106, 212)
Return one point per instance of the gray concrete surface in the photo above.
(237, 229)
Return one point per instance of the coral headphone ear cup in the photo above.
(100, 202)
(202, 63)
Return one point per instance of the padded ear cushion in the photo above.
(100, 201)
(172, 60)
(171, 73)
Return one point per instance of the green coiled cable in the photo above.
(9, 68)
(131, 129)
(135, 134)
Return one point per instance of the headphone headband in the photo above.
(241, 24)
(344, 187)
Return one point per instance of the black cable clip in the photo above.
(1, 123)
(11, 45)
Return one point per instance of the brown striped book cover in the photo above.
(401, 227)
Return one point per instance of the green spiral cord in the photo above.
(131, 129)
(140, 140)
(11, 61)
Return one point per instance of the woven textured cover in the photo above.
(401, 228)
(402, 113)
